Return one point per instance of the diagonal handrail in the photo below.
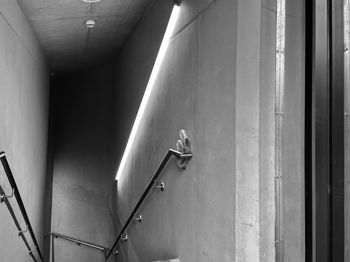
(171, 152)
(4, 199)
(18, 197)
(78, 242)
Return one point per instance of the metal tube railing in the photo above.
(17, 195)
(154, 179)
(15, 192)
(4, 199)
(78, 242)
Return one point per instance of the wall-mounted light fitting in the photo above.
(160, 57)
(90, 23)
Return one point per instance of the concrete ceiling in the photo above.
(68, 44)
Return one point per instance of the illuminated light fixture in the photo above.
(90, 23)
(156, 67)
(91, 1)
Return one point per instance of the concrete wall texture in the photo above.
(195, 91)
(83, 170)
(218, 83)
(292, 152)
(24, 102)
(92, 117)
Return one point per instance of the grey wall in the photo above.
(133, 67)
(292, 148)
(24, 94)
(83, 169)
(194, 219)
(218, 83)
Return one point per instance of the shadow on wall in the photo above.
(183, 156)
(113, 210)
(131, 250)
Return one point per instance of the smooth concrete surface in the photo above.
(293, 198)
(247, 131)
(217, 82)
(24, 103)
(215, 164)
(291, 241)
(189, 220)
(66, 41)
(83, 173)
(267, 131)
(133, 67)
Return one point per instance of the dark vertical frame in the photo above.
(309, 14)
(324, 131)
(337, 131)
(321, 132)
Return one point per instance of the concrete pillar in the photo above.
(247, 130)
(293, 135)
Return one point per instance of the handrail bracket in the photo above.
(3, 196)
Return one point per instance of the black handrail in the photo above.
(78, 242)
(154, 179)
(4, 199)
(14, 187)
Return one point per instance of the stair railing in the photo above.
(78, 242)
(182, 156)
(5, 199)
(153, 183)
(122, 236)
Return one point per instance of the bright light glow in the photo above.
(160, 57)
(91, 1)
(90, 23)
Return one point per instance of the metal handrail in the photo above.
(78, 242)
(171, 152)
(4, 199)
(17, 195)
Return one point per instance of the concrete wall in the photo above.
(218, 83)
(82, 172)
(292, 148)
(194, 218)
(24, 93)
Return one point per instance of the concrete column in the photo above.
(267, 130)
(293, 218)
(247, 130)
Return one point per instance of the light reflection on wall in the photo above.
(148, 92)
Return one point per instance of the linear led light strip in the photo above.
(160, 57)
